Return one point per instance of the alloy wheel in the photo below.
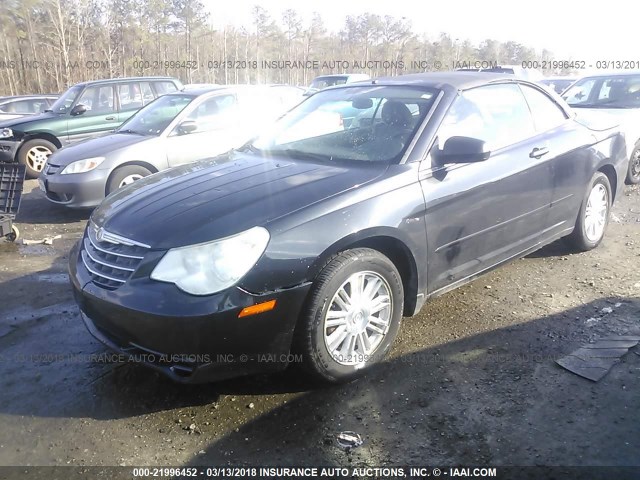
(595, 215)
(129, 179)
(358, 318)
(37, 157)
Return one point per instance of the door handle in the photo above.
(538, 152)
(110, 117)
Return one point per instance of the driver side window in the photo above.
(98, 100)
(214, 113)
(496, 114)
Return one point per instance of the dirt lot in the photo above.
(472, 379)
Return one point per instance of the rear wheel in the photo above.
(34, 154)
(123, 176)
(352, 316)
(593, 217)
(633, 173)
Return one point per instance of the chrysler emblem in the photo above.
(100, 234)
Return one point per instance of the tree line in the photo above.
(48, 45)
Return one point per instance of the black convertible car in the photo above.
(315, 239)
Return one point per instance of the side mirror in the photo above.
(78, 110)
(463, 150)
(188, 126)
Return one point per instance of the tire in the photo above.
(633, 172)
(33, 155)
(124, 174)
(320, 358)
(587, 235)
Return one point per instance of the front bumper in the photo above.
(8, 150)
(78, 190)
(191, 339)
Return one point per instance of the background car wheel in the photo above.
(633, 174)
(352, 315)
(593, 217)
(33, 154)
(124, 176)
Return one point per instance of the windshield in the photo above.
(372, 123)
(558, 84)
(324, 82)
(621, 91)
(154, 118)
(63, 104)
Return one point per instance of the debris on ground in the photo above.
(349, 440)
(594, 360)
(44, 241)
(606, 310)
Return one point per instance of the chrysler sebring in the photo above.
(345, 215)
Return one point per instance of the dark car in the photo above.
(317, 238)
(20, 105)
(85, 110)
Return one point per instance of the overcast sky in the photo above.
(582, 30)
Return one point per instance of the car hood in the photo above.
(97, 147)
(627, 119)
(4, 117)
(16, 122)
(220, 197)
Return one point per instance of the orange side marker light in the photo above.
(257, 308)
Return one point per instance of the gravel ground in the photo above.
(472, 379)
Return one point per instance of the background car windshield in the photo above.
(324, 82)
(63, 104)
(622, 91)
(371, 123)
(156, 117)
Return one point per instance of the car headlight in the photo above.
(6, 133)
(82, 166)
(211, 267)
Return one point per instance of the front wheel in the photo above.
(34, 154)
(126, 175)
(633, 173)
(593, 217)
(352, 316)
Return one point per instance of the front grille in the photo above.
(109, 258)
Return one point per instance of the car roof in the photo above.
(26, 97)
(123, 79)
(456, 80)
(616, 73)
(216, 88)
(330, 75)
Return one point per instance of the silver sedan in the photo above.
(177, 128)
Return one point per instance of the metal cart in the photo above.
(11, 183)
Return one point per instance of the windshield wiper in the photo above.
(133, 132)
(248, 147)
(301, 154)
